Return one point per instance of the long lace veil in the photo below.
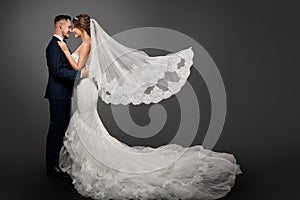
(125, 75)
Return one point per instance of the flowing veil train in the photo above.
(101, 166)
(125, 75)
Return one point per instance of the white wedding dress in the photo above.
(102, 167)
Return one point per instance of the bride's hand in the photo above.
(63, 46)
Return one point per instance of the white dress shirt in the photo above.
(58, 36)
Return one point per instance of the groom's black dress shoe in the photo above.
(58, 173)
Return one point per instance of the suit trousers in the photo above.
(59, 121)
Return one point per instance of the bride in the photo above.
(103, 167)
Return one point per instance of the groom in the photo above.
(59, 92)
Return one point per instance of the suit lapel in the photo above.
(56, 39)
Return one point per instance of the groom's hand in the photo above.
(84, 72)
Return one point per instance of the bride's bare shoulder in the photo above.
(86, 43)
(85, 46)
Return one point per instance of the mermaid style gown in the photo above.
(102, 167)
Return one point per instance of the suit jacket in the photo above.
(61, 74)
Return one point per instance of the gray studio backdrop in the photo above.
(255, 45)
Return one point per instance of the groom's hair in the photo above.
(61, 17)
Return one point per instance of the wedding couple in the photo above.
(101, 166)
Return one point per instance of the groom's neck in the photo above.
(57, 32)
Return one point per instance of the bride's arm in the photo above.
(83, 54)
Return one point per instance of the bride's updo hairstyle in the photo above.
(82, 21)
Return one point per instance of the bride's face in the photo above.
(77, 32)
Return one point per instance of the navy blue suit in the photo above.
(59, 92)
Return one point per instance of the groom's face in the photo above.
(66, 28)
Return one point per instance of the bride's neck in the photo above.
(85, 37)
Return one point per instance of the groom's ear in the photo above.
(60, 25)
